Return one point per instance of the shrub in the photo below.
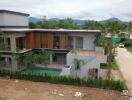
(97, 83)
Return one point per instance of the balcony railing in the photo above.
(4, 47)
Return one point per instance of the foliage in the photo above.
(43, 57)
(92, 25)
(130, 26)
(96, 83)
(30, 59)
(77, 63)
(56, 24)
(105, 65)
(114, 27)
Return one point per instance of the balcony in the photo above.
(4, 47)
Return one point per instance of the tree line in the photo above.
(68, 23)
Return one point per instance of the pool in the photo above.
(43, 70)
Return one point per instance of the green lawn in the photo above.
(129, 48)
(105, 66)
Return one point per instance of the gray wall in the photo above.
(7, 19)
(88, 40)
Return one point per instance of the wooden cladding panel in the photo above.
(43, 38)
(47, 40)
(63, 41)
(30, 40)
(37, 40)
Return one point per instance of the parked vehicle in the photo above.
(121, 45)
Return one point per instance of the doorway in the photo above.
(93, 73)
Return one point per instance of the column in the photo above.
(13, 64)
(13, 43)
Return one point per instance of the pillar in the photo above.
(13, 43)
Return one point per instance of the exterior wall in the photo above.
(13, 37)
(13, 62)
(88, 40)
(89, 63)
(7, 19)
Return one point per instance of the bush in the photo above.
(128, 43)
(97, 83)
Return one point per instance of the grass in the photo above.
(129, 48)
(105, 66)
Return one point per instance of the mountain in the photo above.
(112, 19)
(35, 19)
(77, 21)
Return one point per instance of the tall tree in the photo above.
(112, 27)
(130, 27)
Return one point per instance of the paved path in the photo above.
(124, 59)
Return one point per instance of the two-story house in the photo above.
(61, 41)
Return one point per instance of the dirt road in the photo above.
(26, 90)
(124, 59)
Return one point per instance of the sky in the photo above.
(76, 9)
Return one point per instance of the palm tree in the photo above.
(77, 64)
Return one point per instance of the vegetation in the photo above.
(128, 45)
(96, 83)
(77, 64)
(55, 24)
(92, 25)
(130, 26)
(30, 59)
(105, 66)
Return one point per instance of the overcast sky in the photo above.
(78, 9)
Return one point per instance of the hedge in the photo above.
(96, 83)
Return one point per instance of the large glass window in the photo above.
(79, 42)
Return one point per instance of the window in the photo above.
(79, 42)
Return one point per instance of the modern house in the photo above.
(61, 41)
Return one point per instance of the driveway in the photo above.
(124, 59)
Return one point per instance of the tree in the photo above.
(92, 25)
(43, 57)
(130, 27)
(112, 27)
(77, 64)
(32, 25)
(30, 59)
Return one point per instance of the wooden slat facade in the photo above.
(39, 40)
(63, 41)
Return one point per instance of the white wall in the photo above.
(88, 40)
(89, 62)
(7, 19)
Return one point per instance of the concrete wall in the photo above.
(7, 19)
(89, 62)
(88, 40)
(13, 37)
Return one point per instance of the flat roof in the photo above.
(13, 12)
(50, 30)
(97, 54)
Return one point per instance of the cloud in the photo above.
(83, 9)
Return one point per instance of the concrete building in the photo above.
(61, 41)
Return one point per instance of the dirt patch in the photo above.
(27, 90)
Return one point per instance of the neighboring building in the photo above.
(61, 41)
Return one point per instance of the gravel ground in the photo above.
(27, 90)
